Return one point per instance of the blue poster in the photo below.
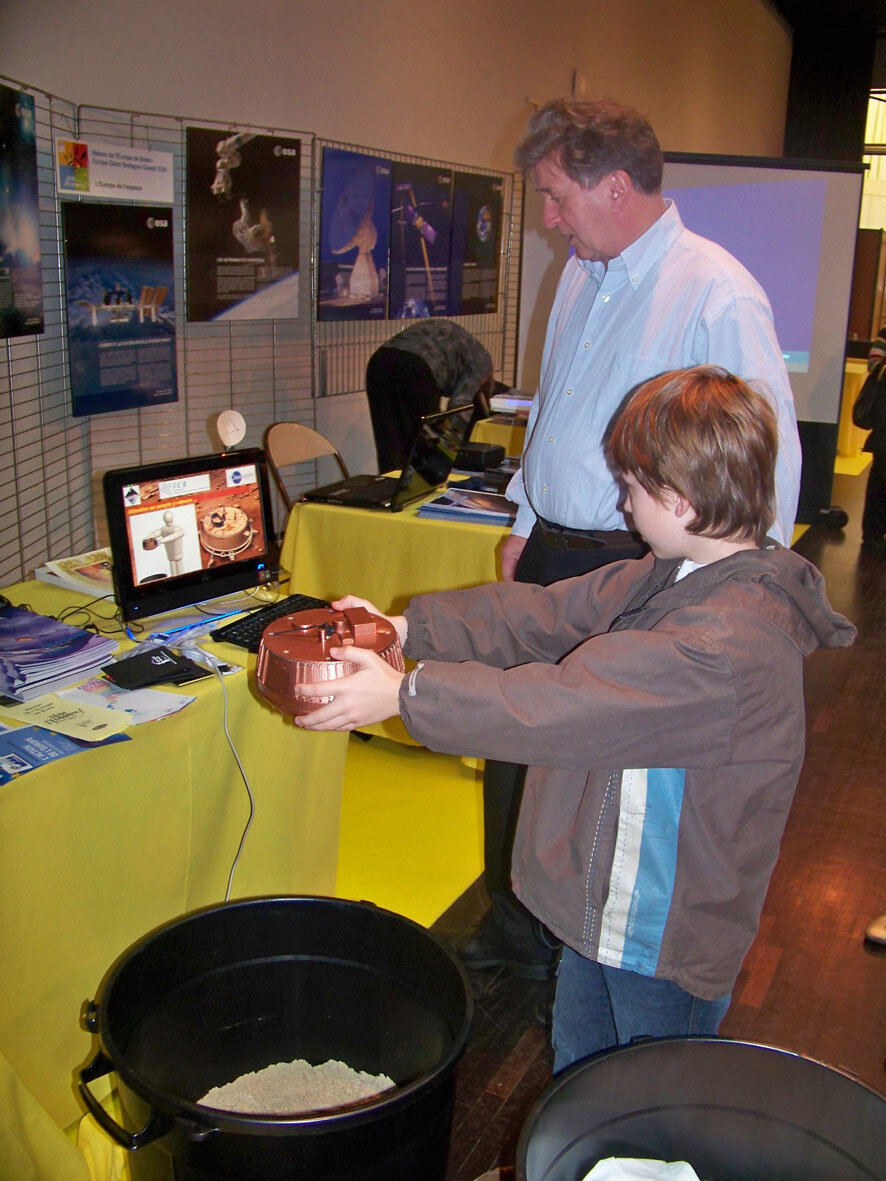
(476, 241)
(421, 212)
(120, 304)
(355, 213)
(21, 281)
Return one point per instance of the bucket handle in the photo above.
(158, 1125)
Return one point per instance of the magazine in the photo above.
(39, 654)
(458, 504)
(88, 573)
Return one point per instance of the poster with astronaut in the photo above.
(421, 211)
(355, 216)
(476, 240)
(21, 281)
(242, 227)
(120, 305)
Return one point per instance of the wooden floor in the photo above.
(811, 982)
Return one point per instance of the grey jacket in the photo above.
(664, 728)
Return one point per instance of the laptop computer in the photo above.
(428, 465)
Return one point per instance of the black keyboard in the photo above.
(246, 632)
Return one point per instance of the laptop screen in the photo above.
(433, 453)
(188, 530)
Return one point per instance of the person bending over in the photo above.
(658, 703)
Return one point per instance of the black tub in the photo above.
(236, 987)
(735, 1111)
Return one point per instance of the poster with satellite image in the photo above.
(242, 204)
(421, 212)
(355, 214)
(120, 305)
(476, 239)
(21, 281)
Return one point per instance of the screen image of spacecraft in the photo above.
(243, 225)
(421, 214)
(476, 239)
(355, 212)
(192, 523)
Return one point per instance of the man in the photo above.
(640, 295)
(409, 375)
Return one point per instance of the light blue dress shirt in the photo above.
(670, 300)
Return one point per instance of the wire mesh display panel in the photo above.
(267, 369)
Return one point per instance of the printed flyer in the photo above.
(242, 225)
(114, 172)
(21, 281)
(121, 305)
(355, 215)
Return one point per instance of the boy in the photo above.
(659, 704)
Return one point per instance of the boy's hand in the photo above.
(398, 622)
(369, 695)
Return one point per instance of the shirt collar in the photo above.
(642, 254)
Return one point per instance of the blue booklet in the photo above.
(39, 654)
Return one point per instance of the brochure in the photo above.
(39, 654)
(28, 747)
(456, 504)
(89, 573)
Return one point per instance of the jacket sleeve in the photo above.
(508, 623)
(673, 699)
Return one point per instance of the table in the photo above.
(103, 846)
(507, 430)
(329, 551)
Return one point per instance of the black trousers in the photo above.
(873, 521)
(546, 558)
(400, 390)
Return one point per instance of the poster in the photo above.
(421, 211)
(355, 213)
(117, 172)
(121, 305)
(476, 240)
(21, 282)
(242, 225)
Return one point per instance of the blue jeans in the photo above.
(597, 1007)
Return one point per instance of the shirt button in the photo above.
(544, 487)
(569, 393)
(550, 438)
(606, 299)
(587, 344)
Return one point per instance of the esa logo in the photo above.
(281, 151)
(158, 223)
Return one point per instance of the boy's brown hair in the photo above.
(709, 437)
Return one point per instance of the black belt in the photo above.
(564, 537)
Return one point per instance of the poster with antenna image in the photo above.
(421, 214)
(21, 281)
(476, 239)
(242, 240)
(120, 305)
(355, 214)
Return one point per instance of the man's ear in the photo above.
(620, 189)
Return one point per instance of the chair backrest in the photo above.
(288, 443)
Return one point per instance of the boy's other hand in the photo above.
(369, 695)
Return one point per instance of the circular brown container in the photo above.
(294, 650)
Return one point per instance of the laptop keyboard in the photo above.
(246, 632)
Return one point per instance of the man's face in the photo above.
(581, 215)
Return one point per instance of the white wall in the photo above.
(452, 80)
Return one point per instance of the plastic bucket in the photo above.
(234, 988)
(734, 1110)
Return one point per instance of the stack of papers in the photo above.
(88, 573)
(456, 504)
(513, 402)
(39, 654)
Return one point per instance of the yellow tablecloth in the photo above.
(511, 435)
(103, 846)
(330, 551)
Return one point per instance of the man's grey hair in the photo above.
(587, 139)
